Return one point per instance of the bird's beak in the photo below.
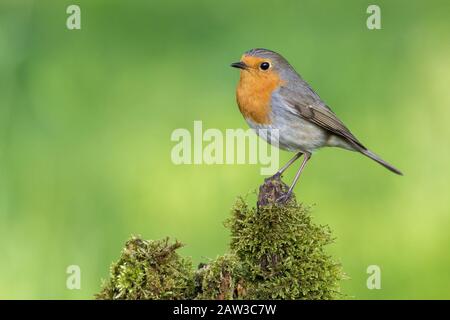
(240, 65)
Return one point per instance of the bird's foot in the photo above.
(283, 199)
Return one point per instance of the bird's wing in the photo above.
(309, 107)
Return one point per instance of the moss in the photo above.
(222, 279)
(276, 252)
(283, 252)
(149, 270)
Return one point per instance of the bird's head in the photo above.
(263, 65)
(262, 73)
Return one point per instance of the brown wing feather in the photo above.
(318, 113)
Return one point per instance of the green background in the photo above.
(86, 118)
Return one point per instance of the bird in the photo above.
(271, 95)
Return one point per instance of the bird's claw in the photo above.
(283, 199)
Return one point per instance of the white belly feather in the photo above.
(295, 134)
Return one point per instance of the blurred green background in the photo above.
(86, 118)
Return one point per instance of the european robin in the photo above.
(272, 95)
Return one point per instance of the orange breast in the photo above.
(254, 94)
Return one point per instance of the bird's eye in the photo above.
(264, 66)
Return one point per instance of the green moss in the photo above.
(222, 279)
(276, 252)
(283, 252)
(149, 270)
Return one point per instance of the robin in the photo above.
(271, 95)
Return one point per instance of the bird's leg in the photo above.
(287, 165)
(286, 196)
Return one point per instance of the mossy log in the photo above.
(276, 252)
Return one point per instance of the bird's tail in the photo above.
(376, 158)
